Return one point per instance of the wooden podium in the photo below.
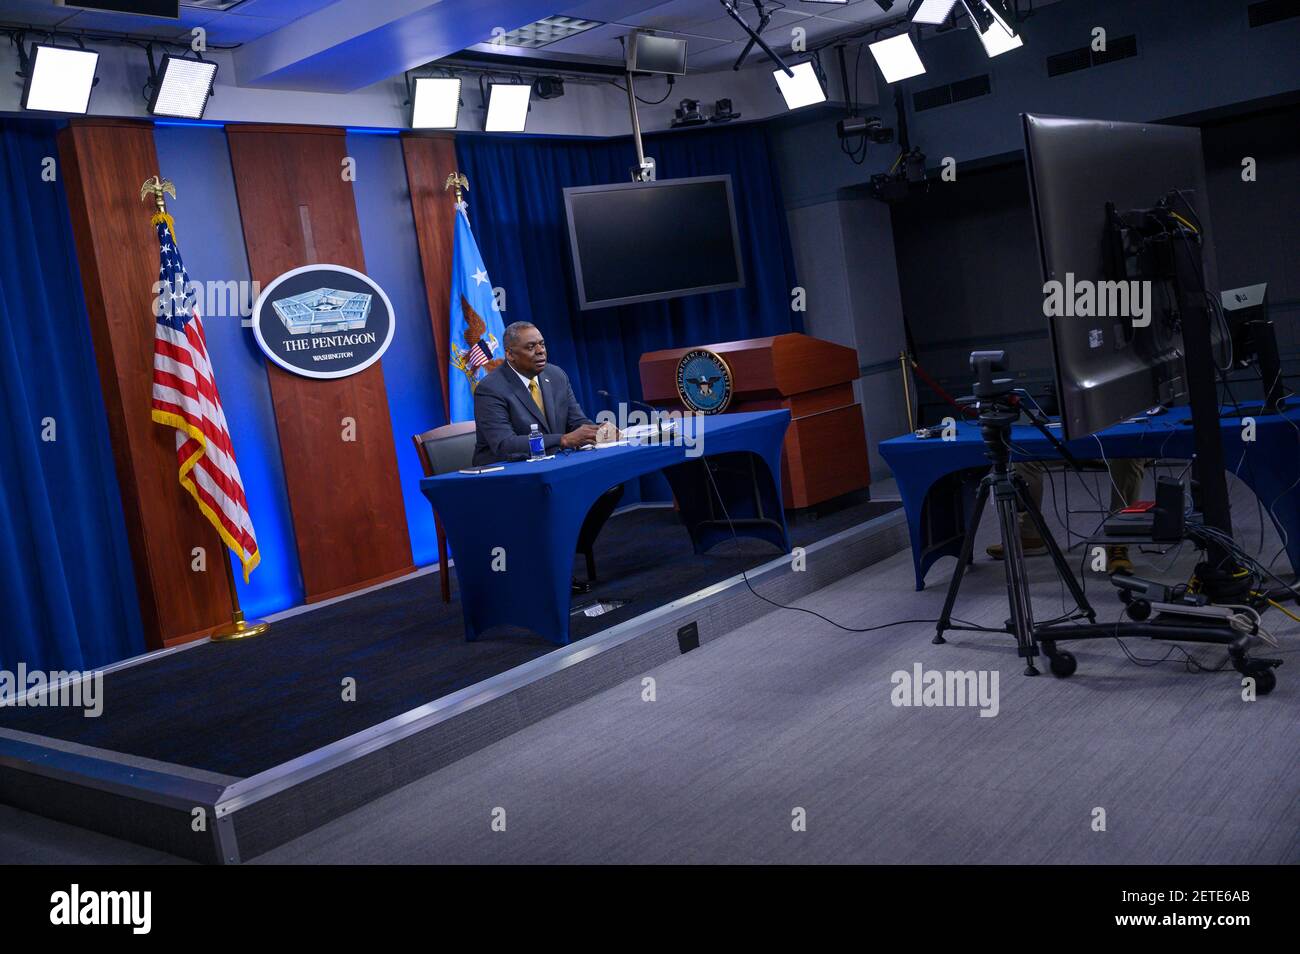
(826, 445)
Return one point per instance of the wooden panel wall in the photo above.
(345, 497)
(103, 163)
(429, 160)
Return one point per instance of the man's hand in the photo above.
(583, 434)
(607, 433)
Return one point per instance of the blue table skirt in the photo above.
(1270, 467)
(512, 533)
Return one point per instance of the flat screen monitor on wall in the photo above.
(645, 241)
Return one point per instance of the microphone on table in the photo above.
(609, 397)
(654, 411)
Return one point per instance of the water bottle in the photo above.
(536, 444)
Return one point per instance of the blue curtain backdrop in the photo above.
(66, 581)
(516, 205)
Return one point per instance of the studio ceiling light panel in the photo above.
(996, 33)
(998, 12)
(998, 41)
(546, 31)
(802, 89)
(435, 103)
(60, 79)
(183, 87)
(897, 58)
(507, 107)
(933, 11)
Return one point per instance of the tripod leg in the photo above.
(1058, 557)
(1022, 616)
(963, 560)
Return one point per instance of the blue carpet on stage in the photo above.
(241, 708)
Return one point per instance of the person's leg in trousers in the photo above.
(1126, 489)
(1032, 474)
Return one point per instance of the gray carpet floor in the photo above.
(789, 713)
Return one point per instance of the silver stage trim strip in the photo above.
(248, 791)
(172, 787)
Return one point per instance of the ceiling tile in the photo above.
(232, 28)
(861, 11)
(604, 41)
(823, 9)
(688, 15)
(601, 41)
(818, 28)
(141, 26)
(284, 10)
(776, 34)
(611, 11)
(716, 58)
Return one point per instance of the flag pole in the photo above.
(238, 627)
(458, 180)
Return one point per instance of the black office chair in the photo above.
(451, 448)
(443, 450)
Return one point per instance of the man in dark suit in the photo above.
(524, 391)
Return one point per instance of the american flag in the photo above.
(185, 397)
(481, 353)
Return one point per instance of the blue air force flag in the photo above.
(477, 331)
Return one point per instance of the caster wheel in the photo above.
(1265, 681)
(1064, 664)
(1139, 610)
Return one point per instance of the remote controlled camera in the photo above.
(996, 360)
(984, 363)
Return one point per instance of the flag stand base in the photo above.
(239, 628)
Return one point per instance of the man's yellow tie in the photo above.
(536, 392)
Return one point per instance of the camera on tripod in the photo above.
(985, 364)
(999, 409)
(993, 398)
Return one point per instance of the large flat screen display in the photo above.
(644, 241)
(1107, 368)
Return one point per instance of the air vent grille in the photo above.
(949, 93)
(1071, 61)
(970, 88)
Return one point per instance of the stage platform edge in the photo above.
(218, 819)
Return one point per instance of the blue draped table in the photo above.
(513, 532)
(1270, 466)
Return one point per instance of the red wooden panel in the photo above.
(429, 160)
(349, 519)
(103, 163)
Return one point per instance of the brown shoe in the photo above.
(1117, 560)
(1031, 545)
